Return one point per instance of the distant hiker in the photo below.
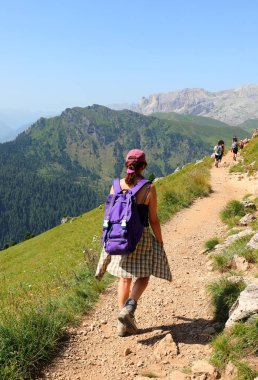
(234, 148)
(149, 257)
(241, 144)
(222, 144)
(234, 139)
(218, 151)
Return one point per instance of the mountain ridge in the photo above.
(232, 106)
(64, 165)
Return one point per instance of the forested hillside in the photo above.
(64, 165)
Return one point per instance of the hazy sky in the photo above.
(57, 54)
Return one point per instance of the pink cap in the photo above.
(135, 155)
(130, 171)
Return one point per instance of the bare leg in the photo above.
(138, 288)
(123, 291)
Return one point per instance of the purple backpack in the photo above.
(122, 227)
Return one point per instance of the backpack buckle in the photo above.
(105, 223)
(123, 224)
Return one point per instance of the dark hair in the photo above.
(137, 166)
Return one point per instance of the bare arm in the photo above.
(153, 215)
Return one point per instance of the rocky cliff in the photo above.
(233, 106)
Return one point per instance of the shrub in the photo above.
(235, 345)
(30, 337)
(238, 168)
(221, 262)
(211, 243)
(232, 212)
(223, 294)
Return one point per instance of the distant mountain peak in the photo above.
(232, 106)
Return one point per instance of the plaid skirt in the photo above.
(149, 258)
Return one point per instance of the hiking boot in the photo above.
(120, 329)
(126, 316)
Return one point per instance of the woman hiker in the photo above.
(149, 257)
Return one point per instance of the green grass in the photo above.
(187, 184)
(234, 231)
(32, 336)
(223, 294)
(150, 375)
(232, 213)
(238, 168)
(236, 345)
(211, 243)
(47, 283)
(207, 129)
(250, 154)
(222, 261)
(186, 370)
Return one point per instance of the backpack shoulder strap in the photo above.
(146, 193)
(139, 185)
(116, 185)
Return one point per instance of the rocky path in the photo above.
(175, 318)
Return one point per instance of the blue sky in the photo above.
(57, 54)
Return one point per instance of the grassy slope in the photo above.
(208, 129)
(35, 266)
(250, 153)
(250, 157)
(249, 125)
(238, 344)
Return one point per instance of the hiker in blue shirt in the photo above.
(149, 257)
(234, 148)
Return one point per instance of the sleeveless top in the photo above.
(143, 211)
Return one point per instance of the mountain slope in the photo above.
(207, 129)
(249, 125)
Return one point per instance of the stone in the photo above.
(166, 347)
(235, 279)
(232, 238)
(219, 247)
(247, 219)
(239, 263)
(245, 306)
(252, 319)
(249, 204)
(249, 280)
(253, 243)
(202, 367)
(127, 351)
(209, 265)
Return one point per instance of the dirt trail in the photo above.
(180, 308)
